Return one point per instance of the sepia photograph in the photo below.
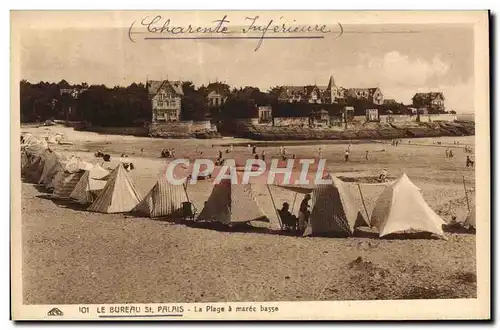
(239, 165)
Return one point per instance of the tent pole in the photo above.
(364, 206)
(466, 196)
(274, 205)
(294, 199)
(184, 185)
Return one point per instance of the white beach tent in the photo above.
(119, 195)
(401, 207)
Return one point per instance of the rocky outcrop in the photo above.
(381, 131)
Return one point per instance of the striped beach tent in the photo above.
(119, 195)
(90, 185)
(51, 167)
(232, 203)
(402, 208)
(32, 170)
(334, 211)
(65, 182)
(162, 200)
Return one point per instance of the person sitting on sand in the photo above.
(288, 219)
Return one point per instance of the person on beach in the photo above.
(366, 155)
(447, 153)
(304, 213)
(320, 153)
(254, 149)
(469, 162)
(346, 156)
(263, 155)
(383, 175)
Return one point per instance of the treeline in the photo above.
(95, 104)
(130, 106)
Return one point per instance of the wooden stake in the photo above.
(364, 206)
(274, 205)
(294, 199)
(466, 196)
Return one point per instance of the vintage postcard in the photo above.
(250, 165)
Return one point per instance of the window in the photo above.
(160, 104)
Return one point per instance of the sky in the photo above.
(399, 59)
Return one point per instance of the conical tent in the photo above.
(32, 171)
(334, 211)
(162, 200)
(232, 203)
(90, 185)
(471, 218)
(119, 195)
(51, 167)
(401, 207)
(65, 183)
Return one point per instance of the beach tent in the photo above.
(32, 169)
(401, 208)
(119, 195)
(66, 179)
(64, 183)
(90, 185)
(162, 200)
(232, 203)
(471, 218)
(57, 173)
(51, 166)
(334, 211)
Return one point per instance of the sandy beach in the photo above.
(71, 256)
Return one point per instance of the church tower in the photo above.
(332, 91)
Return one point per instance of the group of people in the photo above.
(297, 224)
(396, 142)
(449, 153)
(168, 153)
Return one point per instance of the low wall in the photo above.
(187, 126)
(407, 118)
(291, 121)
(136, 131)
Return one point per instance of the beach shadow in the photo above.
(65, 203)
(458, 229)
(406, 236)
(365, 232)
